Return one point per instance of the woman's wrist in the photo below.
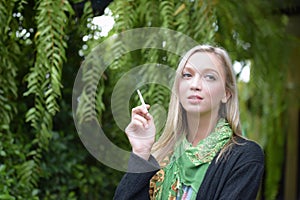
(145, 154)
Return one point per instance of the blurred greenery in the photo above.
(42, 48)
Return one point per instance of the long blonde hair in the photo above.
(176, 125)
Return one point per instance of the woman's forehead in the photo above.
(203, 60)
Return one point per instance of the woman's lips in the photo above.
(195, 99)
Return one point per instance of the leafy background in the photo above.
(41, 155)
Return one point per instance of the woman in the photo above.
(201, 152)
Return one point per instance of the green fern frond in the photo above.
(8, 65)
(44, 80)
(20, 5)
(167, 10)
(125, 17)
(89, 108)
(147, 13)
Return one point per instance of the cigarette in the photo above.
(141, 99)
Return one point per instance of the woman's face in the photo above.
(202, 84)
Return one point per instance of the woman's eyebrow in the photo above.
(211, 70)
(189, 67)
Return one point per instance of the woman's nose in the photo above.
(196, 83)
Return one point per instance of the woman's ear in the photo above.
(226, 97)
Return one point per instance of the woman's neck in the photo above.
(200, 126)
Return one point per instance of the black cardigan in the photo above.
(235, 176)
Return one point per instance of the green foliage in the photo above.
(10, 148)
(41, 156)
(44, 80)
(8, 43)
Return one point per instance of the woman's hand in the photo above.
(141, 131)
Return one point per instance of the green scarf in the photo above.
(188, 164)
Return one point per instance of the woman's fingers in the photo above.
(140, 109)
(140, 120)
(141, 114)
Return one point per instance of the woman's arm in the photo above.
(246, 174)
(135, 183)
(142, 166)
(244, 182)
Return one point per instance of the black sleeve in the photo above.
(244, 179)
(135, 183)
(244, 182)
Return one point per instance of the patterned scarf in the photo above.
(188, 165)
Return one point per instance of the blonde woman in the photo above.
(201, 153)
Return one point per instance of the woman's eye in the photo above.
(210, 77)
(186, 75)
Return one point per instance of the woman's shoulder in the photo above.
(248, 149)
(243, 142)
